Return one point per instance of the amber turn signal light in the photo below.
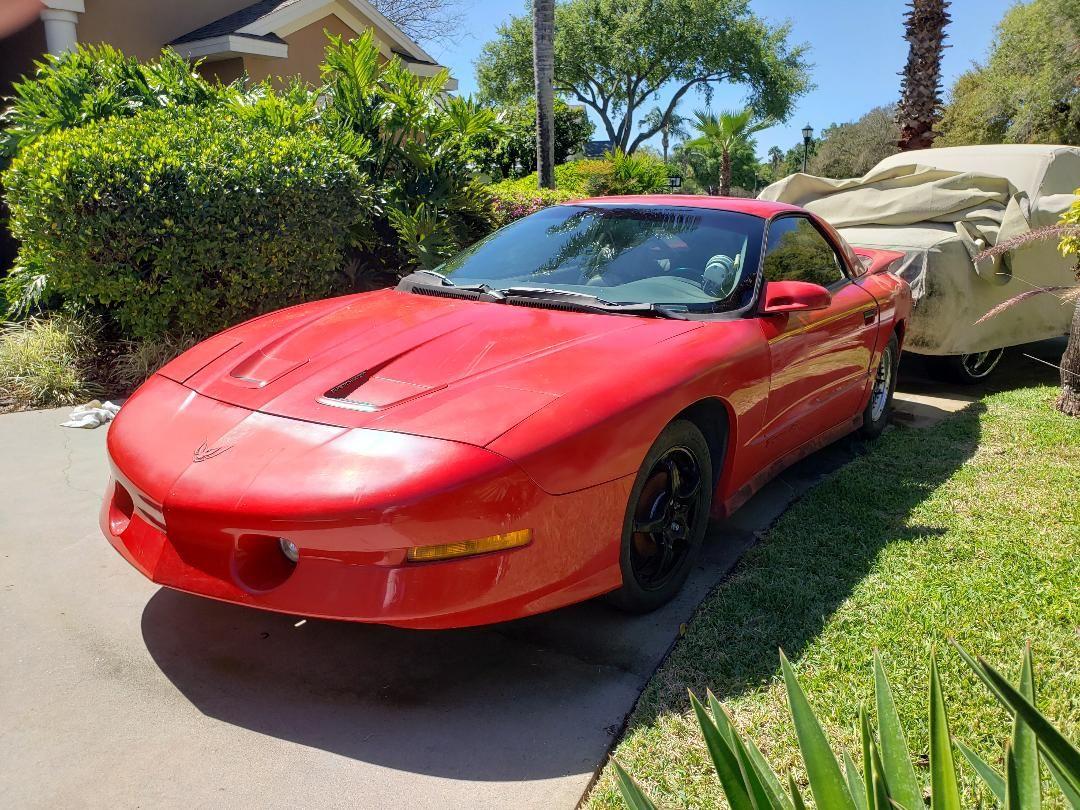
(449, 551)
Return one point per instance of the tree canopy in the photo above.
(512, 152)
(854, 148)
(615, 55)
(1027, 91)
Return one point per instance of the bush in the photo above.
(95, 82)
(617, 173)
(415, 144)
(513, 153)
(46, 363)
(176, 221)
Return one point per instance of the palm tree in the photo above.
(724, 132)
(544, 70)
(920, 88)
(674, 126)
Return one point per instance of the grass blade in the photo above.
(943, 787)
(1025, 748)
(724, 760)
(1064, 753)
(632, 794)
(827, 783)
(895, 755)
(994, 780)
(855, 782)
(796, 797)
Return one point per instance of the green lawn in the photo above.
(967, 530)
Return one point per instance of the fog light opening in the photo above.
(289, 549)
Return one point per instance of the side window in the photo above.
(796, 251)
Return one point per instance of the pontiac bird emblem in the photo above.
(204, 453)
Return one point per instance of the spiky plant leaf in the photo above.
(992, 779)
(796, 796)
(855, 782)
(827, 782)
(632, 795)
(750, 757)
(768, 777)
(866, 736)
(895, 755)
(1025, 748)
(724, 760)
(1072, 794)
(1054, 745)
(943, 785)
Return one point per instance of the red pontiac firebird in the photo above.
(552, 415)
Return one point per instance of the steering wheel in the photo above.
(720, 277)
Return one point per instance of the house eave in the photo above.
(214, 49)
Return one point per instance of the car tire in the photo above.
(666, 518)
(876, 413)
(966, 369)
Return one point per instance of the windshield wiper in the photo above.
(488, 292)
(589, 302)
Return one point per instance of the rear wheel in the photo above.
(666, 518)
(876, 415)
(966, 369)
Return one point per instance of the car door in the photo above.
(820, 359)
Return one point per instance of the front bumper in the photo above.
(211, 528)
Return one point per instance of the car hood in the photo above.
(431, 366)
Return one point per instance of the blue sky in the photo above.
(856, 47)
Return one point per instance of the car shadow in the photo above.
(536, 698)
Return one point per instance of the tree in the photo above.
(513, 153)
(614, 55)
(724, 132)
(920, 88)
(854, 148)
(700, 164)
(544, 71)
(1026, 92)
(423, 20)
(671, 126)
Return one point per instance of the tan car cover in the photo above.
(941, 207)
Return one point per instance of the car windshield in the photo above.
(687, 258)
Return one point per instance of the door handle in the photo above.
(869, 316)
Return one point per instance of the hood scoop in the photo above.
(371, 391)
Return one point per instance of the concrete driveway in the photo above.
(114, 692)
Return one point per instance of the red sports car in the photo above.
(551, 415)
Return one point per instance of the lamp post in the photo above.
(807, 137)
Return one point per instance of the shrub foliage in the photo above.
(169, 205)
(178, 222)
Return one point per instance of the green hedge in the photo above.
(182, 220)
(617, 173)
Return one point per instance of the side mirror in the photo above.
(794, 296)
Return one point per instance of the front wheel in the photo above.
(876, 414)
(666, 518)
(966, 369)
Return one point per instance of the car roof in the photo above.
(742, 205)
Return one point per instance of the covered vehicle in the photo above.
(941, 207)
(552, 415)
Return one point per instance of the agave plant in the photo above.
(887, 779)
